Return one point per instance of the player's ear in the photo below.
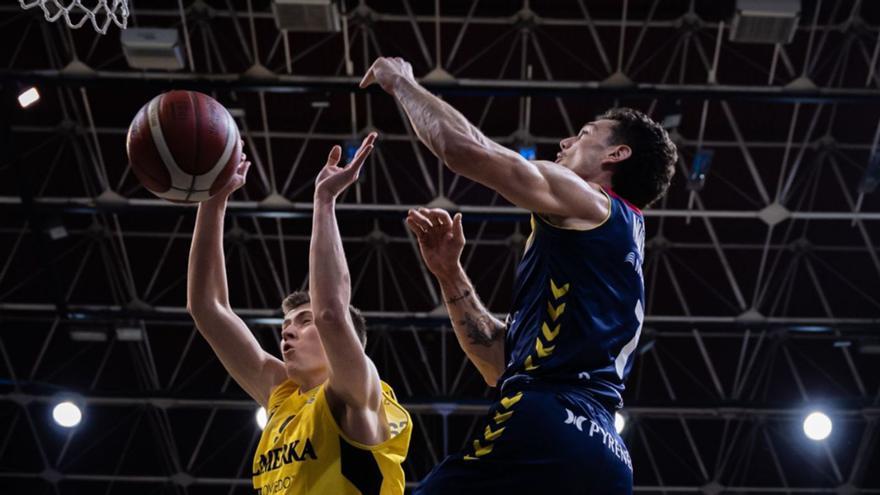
(618, 153)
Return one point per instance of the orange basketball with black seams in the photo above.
(183, 146)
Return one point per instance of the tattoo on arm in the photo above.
(480, 326)
(481, 329)
(456, 299)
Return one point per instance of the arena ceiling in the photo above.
(763, 298)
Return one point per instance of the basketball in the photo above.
(183, 146)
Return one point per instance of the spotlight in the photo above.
(67, 414)
(817, 426)
(28, 97)
(55, 228)
(262, 418)
(700, 169)
(350, 150)
(619, 422)
(527, 152)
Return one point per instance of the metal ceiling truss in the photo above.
(762, 299)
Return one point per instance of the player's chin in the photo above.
(289, 362)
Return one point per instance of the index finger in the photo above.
(440, 215)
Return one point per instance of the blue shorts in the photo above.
(538, 441)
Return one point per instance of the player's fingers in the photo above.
(370, 139)
(359, 160)
(415, 228)
(333, 157)
(423, 222)
(457, 230)
(438, 215)
(363, 151)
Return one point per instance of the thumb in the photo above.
(457, 231)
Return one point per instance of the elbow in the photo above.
(204, 311)
(330, 317)
(192, 306)
(196, 306)
(491, 379)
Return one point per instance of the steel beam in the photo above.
(173, 315)
(303, 209)
(285, 83)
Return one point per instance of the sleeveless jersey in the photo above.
(303, 451)
(578, 305)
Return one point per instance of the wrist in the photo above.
(216, 202)
(324, 198)
(401, 83)
(451, 274)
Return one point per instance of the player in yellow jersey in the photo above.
(334, 427)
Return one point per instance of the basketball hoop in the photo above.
(100, 15)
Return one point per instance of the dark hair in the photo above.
(301, 297)
(644, 177)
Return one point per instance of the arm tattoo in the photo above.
(454, 300)
(481, 329)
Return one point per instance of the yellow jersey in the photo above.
(303, 451)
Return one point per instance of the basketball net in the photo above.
(76, 14)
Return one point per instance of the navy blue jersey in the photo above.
(578, 306)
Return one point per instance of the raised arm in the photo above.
(207, 300)
(480, 335)
(538, 186)
(353, 378)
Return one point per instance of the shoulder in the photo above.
(601, 208)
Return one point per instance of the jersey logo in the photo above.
(296, 451)
(396, 427)
(606, 437)
(575, 420)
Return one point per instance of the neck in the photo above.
(308, 381)
(602, 179)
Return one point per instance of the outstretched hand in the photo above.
(441, 238)
(237, 181)
(332, 180)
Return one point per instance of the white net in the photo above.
(76, 14)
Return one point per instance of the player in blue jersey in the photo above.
(562, 358)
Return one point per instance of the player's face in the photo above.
(301, 346)
(585, 152)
